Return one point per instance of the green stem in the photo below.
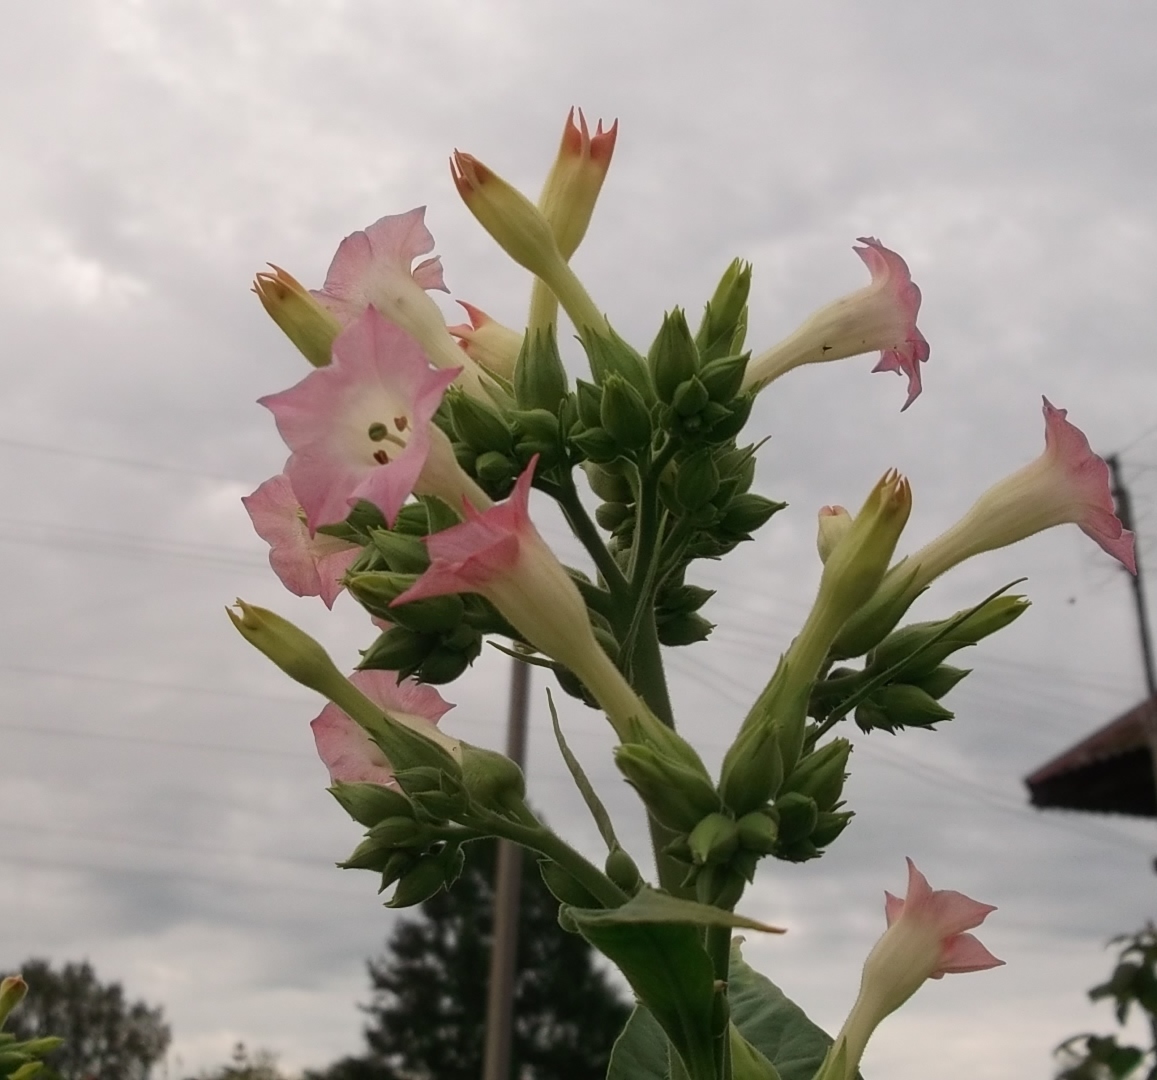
(588, 535)
(531, 833)
(543, 307)
(646, 532)
(718, 944)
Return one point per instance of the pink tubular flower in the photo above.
(349, 754)
(360, 428)
(487, 342)
(881, 316)
(307, 565)
(1067, 483)
(374, 267)
(925, 939)
(499, 554)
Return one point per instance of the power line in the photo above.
(111, 459)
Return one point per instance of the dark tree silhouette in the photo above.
(428, 1013)
(105, 1038)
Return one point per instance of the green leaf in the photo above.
(747, 1063)
(649, 906)
(641, 1051)
(773, 1024)
(590, 796)
(671, 974)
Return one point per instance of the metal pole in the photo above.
(1125, 513)
(507, 879)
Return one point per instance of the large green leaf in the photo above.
(641, 1051)
(777, 1027)
(671, 974)
(652, 906)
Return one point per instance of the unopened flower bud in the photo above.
(899, 706)
(395, 832)
(404, 554)
(752, 769)
(478, 425)
(941, 680)
(624, 415)
(758, 832)
(834, 523)
(696, 481)
(677, 795)
(369, 803)
(714, 840)
(821, 774)
(431, 874)
(491, 779)
(673, 358)
(724, 322)
(575, 179)
(487, 342)
(540, 380)
(798, 815)
(747, 512)
(302, 319)
(621, 869)
(12, 991)
(723, 377)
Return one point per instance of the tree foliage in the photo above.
(105, 1037)
(428, 1013)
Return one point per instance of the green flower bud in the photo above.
(829, 825)
(696, 481)
(398, 649)
(901, 705)
(685, 628)
(714, 840)
(610, 515)
(368, 855)
(679, 599)
(465, 457)
(491, 779)
(536, 425)
(404, 554)
(368, 804)
(395, 832)
(798, 815)
(399, 863)
(12, 991)
(567, 921)
(676, 794)
(376, 591)
(747, 512)
(941, 680)
(821, 774)
(540, 380)
(724, 322)
(596, 445)
(429, 875)
(758, 832)
(608, 485)
(752, 769)
(719, 886)
(412, 520)
(689, 398)
(723, 377)
(624, 414)
(621, 869)
(993, 616)
(443, 664)
(611, 355)
(440, 805)
(589, 399)
(478, 425)
(496, 472)
(564, 888)
(734, 418)
(673, 358)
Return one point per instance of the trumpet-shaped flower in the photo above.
(882, 315)
(499, 554)
(572, 187)
(374, 267)
(487, 342)
(350, 754)
(925, 939)
(307, 565)
(360, 428)
(1067, 483)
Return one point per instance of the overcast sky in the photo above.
(162, 812)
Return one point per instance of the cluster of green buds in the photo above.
(20, 1059)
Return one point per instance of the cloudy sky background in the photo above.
(161, 809)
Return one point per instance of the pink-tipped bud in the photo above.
(301, 318)
(575, 180)
(834, 522)
(487, 341)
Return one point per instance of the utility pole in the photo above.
(507, 882)
(1125, 513)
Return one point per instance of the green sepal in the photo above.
(431, 873)
(596, 444)
(540, 380)
(677, 794)
(368, 803)
(403, 554)
(724, 322)
(673, 357)
(478, 425)
(397, 649)
(747, 512)
(610, 355)
(685, 628)
(624, 414)
(798, 815)
(696, 481)
(938, 682)
(821, 773)
(724, 376)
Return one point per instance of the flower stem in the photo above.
(586, 531)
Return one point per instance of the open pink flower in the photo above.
(359, 428)
(307, 565)
(1067, 483)
(925, 939)
(350, 754)
(374, 268)
(882, 315)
